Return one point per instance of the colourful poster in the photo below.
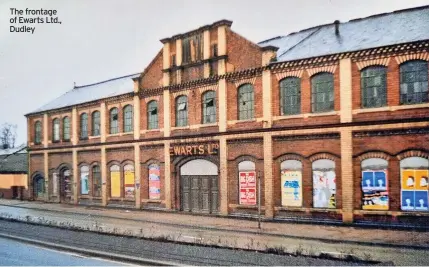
(291, 188)
(154, 182)
(247, 182)
(324, 189)
(84, 184)
(129, 184)
(115, 184)
(374, 188)
(414, 193)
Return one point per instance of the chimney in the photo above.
(337, 27)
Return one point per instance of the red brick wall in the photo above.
(31, 130)
(152, 78)
(193, 73)
(36, 164)
(121, 157)
(56, 159)
(242, 53)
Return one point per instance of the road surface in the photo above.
(13, 253)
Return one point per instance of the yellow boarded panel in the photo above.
(129, 178)
(421, 179)
(115, 184)
(407, 179)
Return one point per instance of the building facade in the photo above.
(13, 172)
(333, 120)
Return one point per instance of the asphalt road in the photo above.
(13, 253)
(148, 249)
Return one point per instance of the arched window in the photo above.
(39, 186)
(129, 181)
(373, 86)
(247, 182)
(290, 96)
(66, 128)
(128, 118)
(324, 183)
(374, 184)
(38, 132)
(96, 123)
(246, 107)
(115, 181)
(209, 107)
(114, 125)
(291, 183)
(414, 82)
(96, 181)
(152, 115)
(56, 130)
(84, 180)
(154, 181)
(414, 184)
(84, 125)
(182, 111)
(322, 92)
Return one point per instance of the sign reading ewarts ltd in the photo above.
(193, 150)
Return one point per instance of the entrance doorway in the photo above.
(38, 187)
(199, 190)
(65, 185)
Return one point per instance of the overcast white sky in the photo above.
(102, 39)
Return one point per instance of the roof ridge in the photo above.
(105, 81)
(274, 38)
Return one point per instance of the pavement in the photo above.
(401, 247)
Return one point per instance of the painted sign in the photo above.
(414, 190)
(84, 183)
(129, 183)
(154, 182)
(291, 188)
(115, 184)
(247, 181)
(374, 188)
(324, 189)
(192, 150)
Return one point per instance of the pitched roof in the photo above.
(92, 92)
(15, 161)
(397, 27)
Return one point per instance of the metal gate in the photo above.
(199, 193)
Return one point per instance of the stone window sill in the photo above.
(391, 108)
(327, 210)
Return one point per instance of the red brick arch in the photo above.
(323, 156)
(413, 153)
(374, 154)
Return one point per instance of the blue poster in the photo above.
(421, 200)
(380, 182)
(407, 200)
(84, 186)
(367, 180)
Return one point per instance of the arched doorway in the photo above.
(199, 189)
(65, 185)
(38, 187)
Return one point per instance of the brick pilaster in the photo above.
(347, 174)
(268, 175)
(137, 173)
(223, 176)
(167, 175)
(76, 178)
(103, 176)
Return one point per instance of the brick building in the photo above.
(332, 119)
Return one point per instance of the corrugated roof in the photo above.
(92, 92)
(14, 160)
(401, 26)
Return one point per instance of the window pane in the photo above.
(128, 118)
(38, 132)
(152, 115)
(66, 128)
(322, 87)
(209, 107)
(84, 125)
(56, 130)
(181, 111)
(290, 94)
(245, 102)
(96, 181)
(414, 86)
(114, 126)
(96, 123)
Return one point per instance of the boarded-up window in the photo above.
(115, 181)
(192, 48)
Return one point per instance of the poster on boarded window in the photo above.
(84, 183)
(247, 181)
(154, 182)
(374, 188)
(414, 190)
(291, 188)
(115, 184)
(324, 189)
(129, 184)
